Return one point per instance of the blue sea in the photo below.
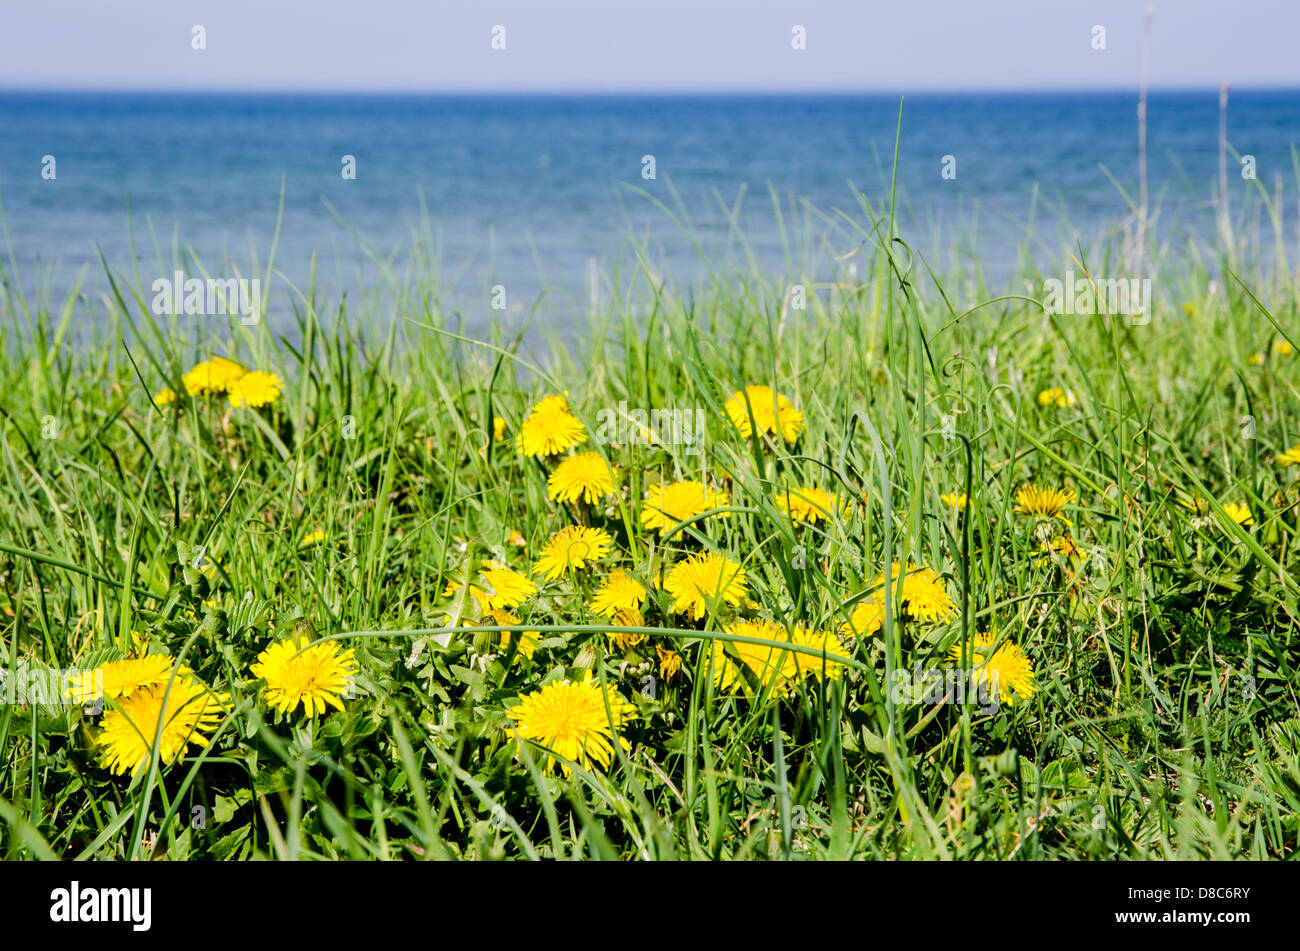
(528, 191)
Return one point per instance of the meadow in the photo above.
(938, 574)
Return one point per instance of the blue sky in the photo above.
(654, 45)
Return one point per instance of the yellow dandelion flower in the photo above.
(1056, 396)
(1238, 513)
(120, 678)
(1060, 550)
(957, 500)
(818, 664)
(1290, 457)
(766, 409)
(503, 587)
(586, 476)
(922, 592)
(924, 595)
(165, 396)
(618, 592)
(572, 547)
(867, 618)
(500, 588)
(516, 539)
(550, 428)
(1063, 547)
(1282, 348)
(667, 504)
(312, 538)
(702, 579)
(1042, 503)
(1006, 670)
(628, 617)
(738, 665)
(315, 676)
(212, 376)
(569, 720)
(498, 428)
(255, 389)
(670, 663)
(475, 592)
(528, 640)
(179, 717)
(808, 504)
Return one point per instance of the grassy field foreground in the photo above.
(331, 615)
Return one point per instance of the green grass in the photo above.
(1165, 724)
